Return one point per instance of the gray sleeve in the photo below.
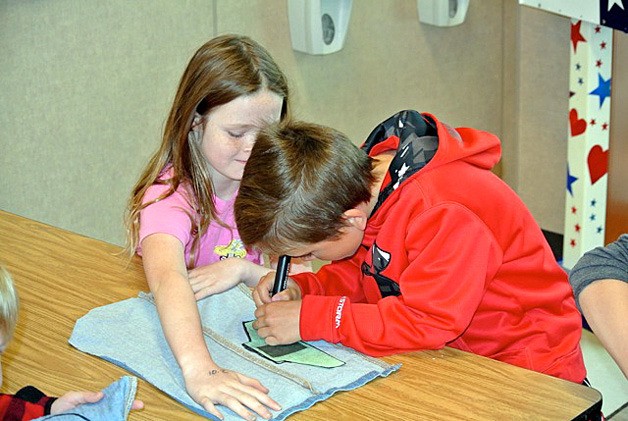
(610, 262)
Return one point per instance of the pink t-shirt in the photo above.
(171, 216)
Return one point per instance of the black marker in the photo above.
(281, 276)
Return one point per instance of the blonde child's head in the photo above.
(8, 311)
(8, 305)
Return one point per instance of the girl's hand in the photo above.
(73, 399)
(223, 275)
(231, 389)
(261, 293)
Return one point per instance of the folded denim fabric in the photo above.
(114, 406)
(128, 333)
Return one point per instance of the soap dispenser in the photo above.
(442, 12)
(318, 26)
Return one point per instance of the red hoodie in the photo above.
(451, 256)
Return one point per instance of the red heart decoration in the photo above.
(598, 163)
(577, 126)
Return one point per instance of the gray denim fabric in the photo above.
(128, 333)
(114, 406)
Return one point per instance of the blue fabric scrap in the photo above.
(114, 406)
(128, 333)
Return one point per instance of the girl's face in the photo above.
(229, 134)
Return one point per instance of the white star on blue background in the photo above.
(612, 3)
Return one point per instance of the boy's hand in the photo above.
(73, 399)
(261, 293)
(278, 322)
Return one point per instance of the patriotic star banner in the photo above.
(589, 117)
(610, 13)
(588, 135)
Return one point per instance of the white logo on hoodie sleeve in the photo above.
(338, 317)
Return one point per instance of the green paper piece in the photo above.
(298, 352)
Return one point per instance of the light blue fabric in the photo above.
(128, 333)
(114, 406)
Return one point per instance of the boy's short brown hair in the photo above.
(8, 304)
(297, 183)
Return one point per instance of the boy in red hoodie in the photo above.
(429, 248)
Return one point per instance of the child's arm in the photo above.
(343, 281)
(220, 276)
(600, 284)
(27, 404)
(441, 291)
(73, 399)
(206, 382)
(30, 403)
(604, 304)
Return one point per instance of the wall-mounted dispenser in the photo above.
(318, 26)
(442, 12)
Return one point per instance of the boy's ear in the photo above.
(356, 218)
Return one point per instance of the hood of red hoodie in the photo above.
(476, 147)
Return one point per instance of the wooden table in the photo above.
(61, 275)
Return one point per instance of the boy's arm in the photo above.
(28, 403)
(337, 278)
(441, 286)
(604, 304)
(600, 283)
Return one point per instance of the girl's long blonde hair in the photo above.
(224, 68)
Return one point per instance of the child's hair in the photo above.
(223, 69)
(8, 304)
(297, 183)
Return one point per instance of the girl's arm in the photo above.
(223, 275)
(220, 276)
(206, 382)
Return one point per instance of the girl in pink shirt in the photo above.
(180, 214)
